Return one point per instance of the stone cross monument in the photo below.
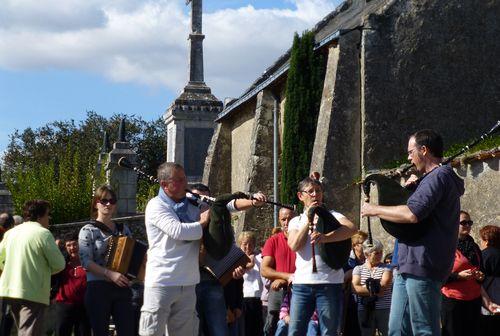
(190, 118)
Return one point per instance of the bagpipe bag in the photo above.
(218, 236)
(334, 254)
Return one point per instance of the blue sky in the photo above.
(61, 58)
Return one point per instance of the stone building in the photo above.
(393, 67)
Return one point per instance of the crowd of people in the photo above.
(442, 283)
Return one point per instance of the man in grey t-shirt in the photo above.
(424, 264)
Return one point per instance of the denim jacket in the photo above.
(93, 244)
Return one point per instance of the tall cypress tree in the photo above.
(303, 98)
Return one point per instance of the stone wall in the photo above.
(216, 175)
(429, 64)
(241, 140)
(481, 198)
(259, 166)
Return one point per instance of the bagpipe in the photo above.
(218, 236)
(334, 254)
(391, 193)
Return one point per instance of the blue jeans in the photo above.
(211, 308)
(282, 329)
(415, 306)
(325, 298)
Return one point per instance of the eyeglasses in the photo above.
(106, 201)
(466, 222)
(312, 192)
(410, 152)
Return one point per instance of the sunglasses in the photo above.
(466, 222)
(106, 201)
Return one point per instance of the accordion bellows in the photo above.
(127, 256)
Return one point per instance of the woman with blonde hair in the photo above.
(108, 292)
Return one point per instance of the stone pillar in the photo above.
(123, 180)
(196, 46)
(337, 147)
(6, 204)
(260, 167)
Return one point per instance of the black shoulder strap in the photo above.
(119, 227)
(101, 226)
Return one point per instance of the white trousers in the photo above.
(169, 310)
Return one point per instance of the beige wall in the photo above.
(240, 146)
(481, 198)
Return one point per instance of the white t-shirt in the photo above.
(303, 262)
(252, 283)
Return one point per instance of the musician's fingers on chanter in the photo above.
(412, 179)
(204, 218)
(316, 237)
(259, 197)
(366, 210)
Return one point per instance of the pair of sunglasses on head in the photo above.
(106, 201)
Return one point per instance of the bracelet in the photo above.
(106, 272)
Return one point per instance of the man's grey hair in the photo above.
(166, 169)
(376, 245)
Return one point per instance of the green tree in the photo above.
(57, 161)
(303, 97)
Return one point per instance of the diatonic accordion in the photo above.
(127, 256)
(223, 269)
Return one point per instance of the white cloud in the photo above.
(146, 42)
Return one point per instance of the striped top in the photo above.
(383, 302)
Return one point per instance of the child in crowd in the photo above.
(282, 328)
(252, 286)
(69, 286)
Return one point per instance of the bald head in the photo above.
(284, 216)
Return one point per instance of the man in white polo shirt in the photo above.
(321, 290)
